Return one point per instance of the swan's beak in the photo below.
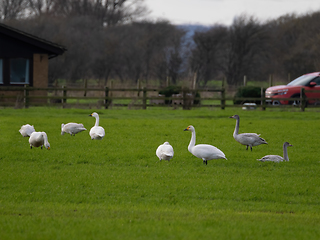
(231, 117)
(48, 148)
(186, 129)
(290, 145)
(90, 115)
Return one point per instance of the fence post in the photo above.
(144, 103)
(138, 87)
(223, 95)
(302, 100)
(85, 87)
(106, 99)
(184, 98)
(26, 96)
(263, 100)
(64, 94)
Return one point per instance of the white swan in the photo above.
(38, 139)
(26, 130)
(72, 128)
(96, 132)
(277, 158)
(204, 151)
(165, 151)
(248, 139)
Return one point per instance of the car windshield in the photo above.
(301, 81)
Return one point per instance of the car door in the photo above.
(314, 94)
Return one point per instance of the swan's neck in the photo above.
(97, 121)
(192, 141)
(45, 137)
(285, 153)
(236, 130)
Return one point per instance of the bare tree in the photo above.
(12, 9)
(40, 7)
(247, 39)
(108, 12)
(206, 59)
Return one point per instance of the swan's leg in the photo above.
(247, 147)
(30, 147)
(251, 148)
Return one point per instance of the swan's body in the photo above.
(277, 158)
(26, 130)
(165, 151)
(72, 128)
(96, 132)
(248, 139)
(204, 151)
(38, 139)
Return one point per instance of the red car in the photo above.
(310, 81)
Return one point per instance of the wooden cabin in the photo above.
(24, 60)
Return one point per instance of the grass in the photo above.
(117, 188)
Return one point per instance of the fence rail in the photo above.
(139, 97)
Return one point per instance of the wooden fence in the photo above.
(139, 98)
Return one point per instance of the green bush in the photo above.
(168, 91)
(247, 92)
(197, 101)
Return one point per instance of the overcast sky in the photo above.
(209, 12)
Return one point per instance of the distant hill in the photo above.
(191, 29)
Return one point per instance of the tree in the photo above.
(206, 55)
(246, 41)
(12, 9)
(40, 7)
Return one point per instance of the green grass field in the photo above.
(118, 189)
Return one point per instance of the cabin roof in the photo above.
(51, 48)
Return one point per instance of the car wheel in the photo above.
(295, 102)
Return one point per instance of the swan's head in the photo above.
(287, 144)
(94, 114)
(189, 128)
(166, 143)
(62, 132)
(47, 145)
(235, 116)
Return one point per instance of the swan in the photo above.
(165, 151)
(204, 151)
(26, 130)
(96, 132)
(277, 158)
(38, 139)
(248, 139)
(72, 128)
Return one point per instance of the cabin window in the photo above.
(1, 71)
(19, 71)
